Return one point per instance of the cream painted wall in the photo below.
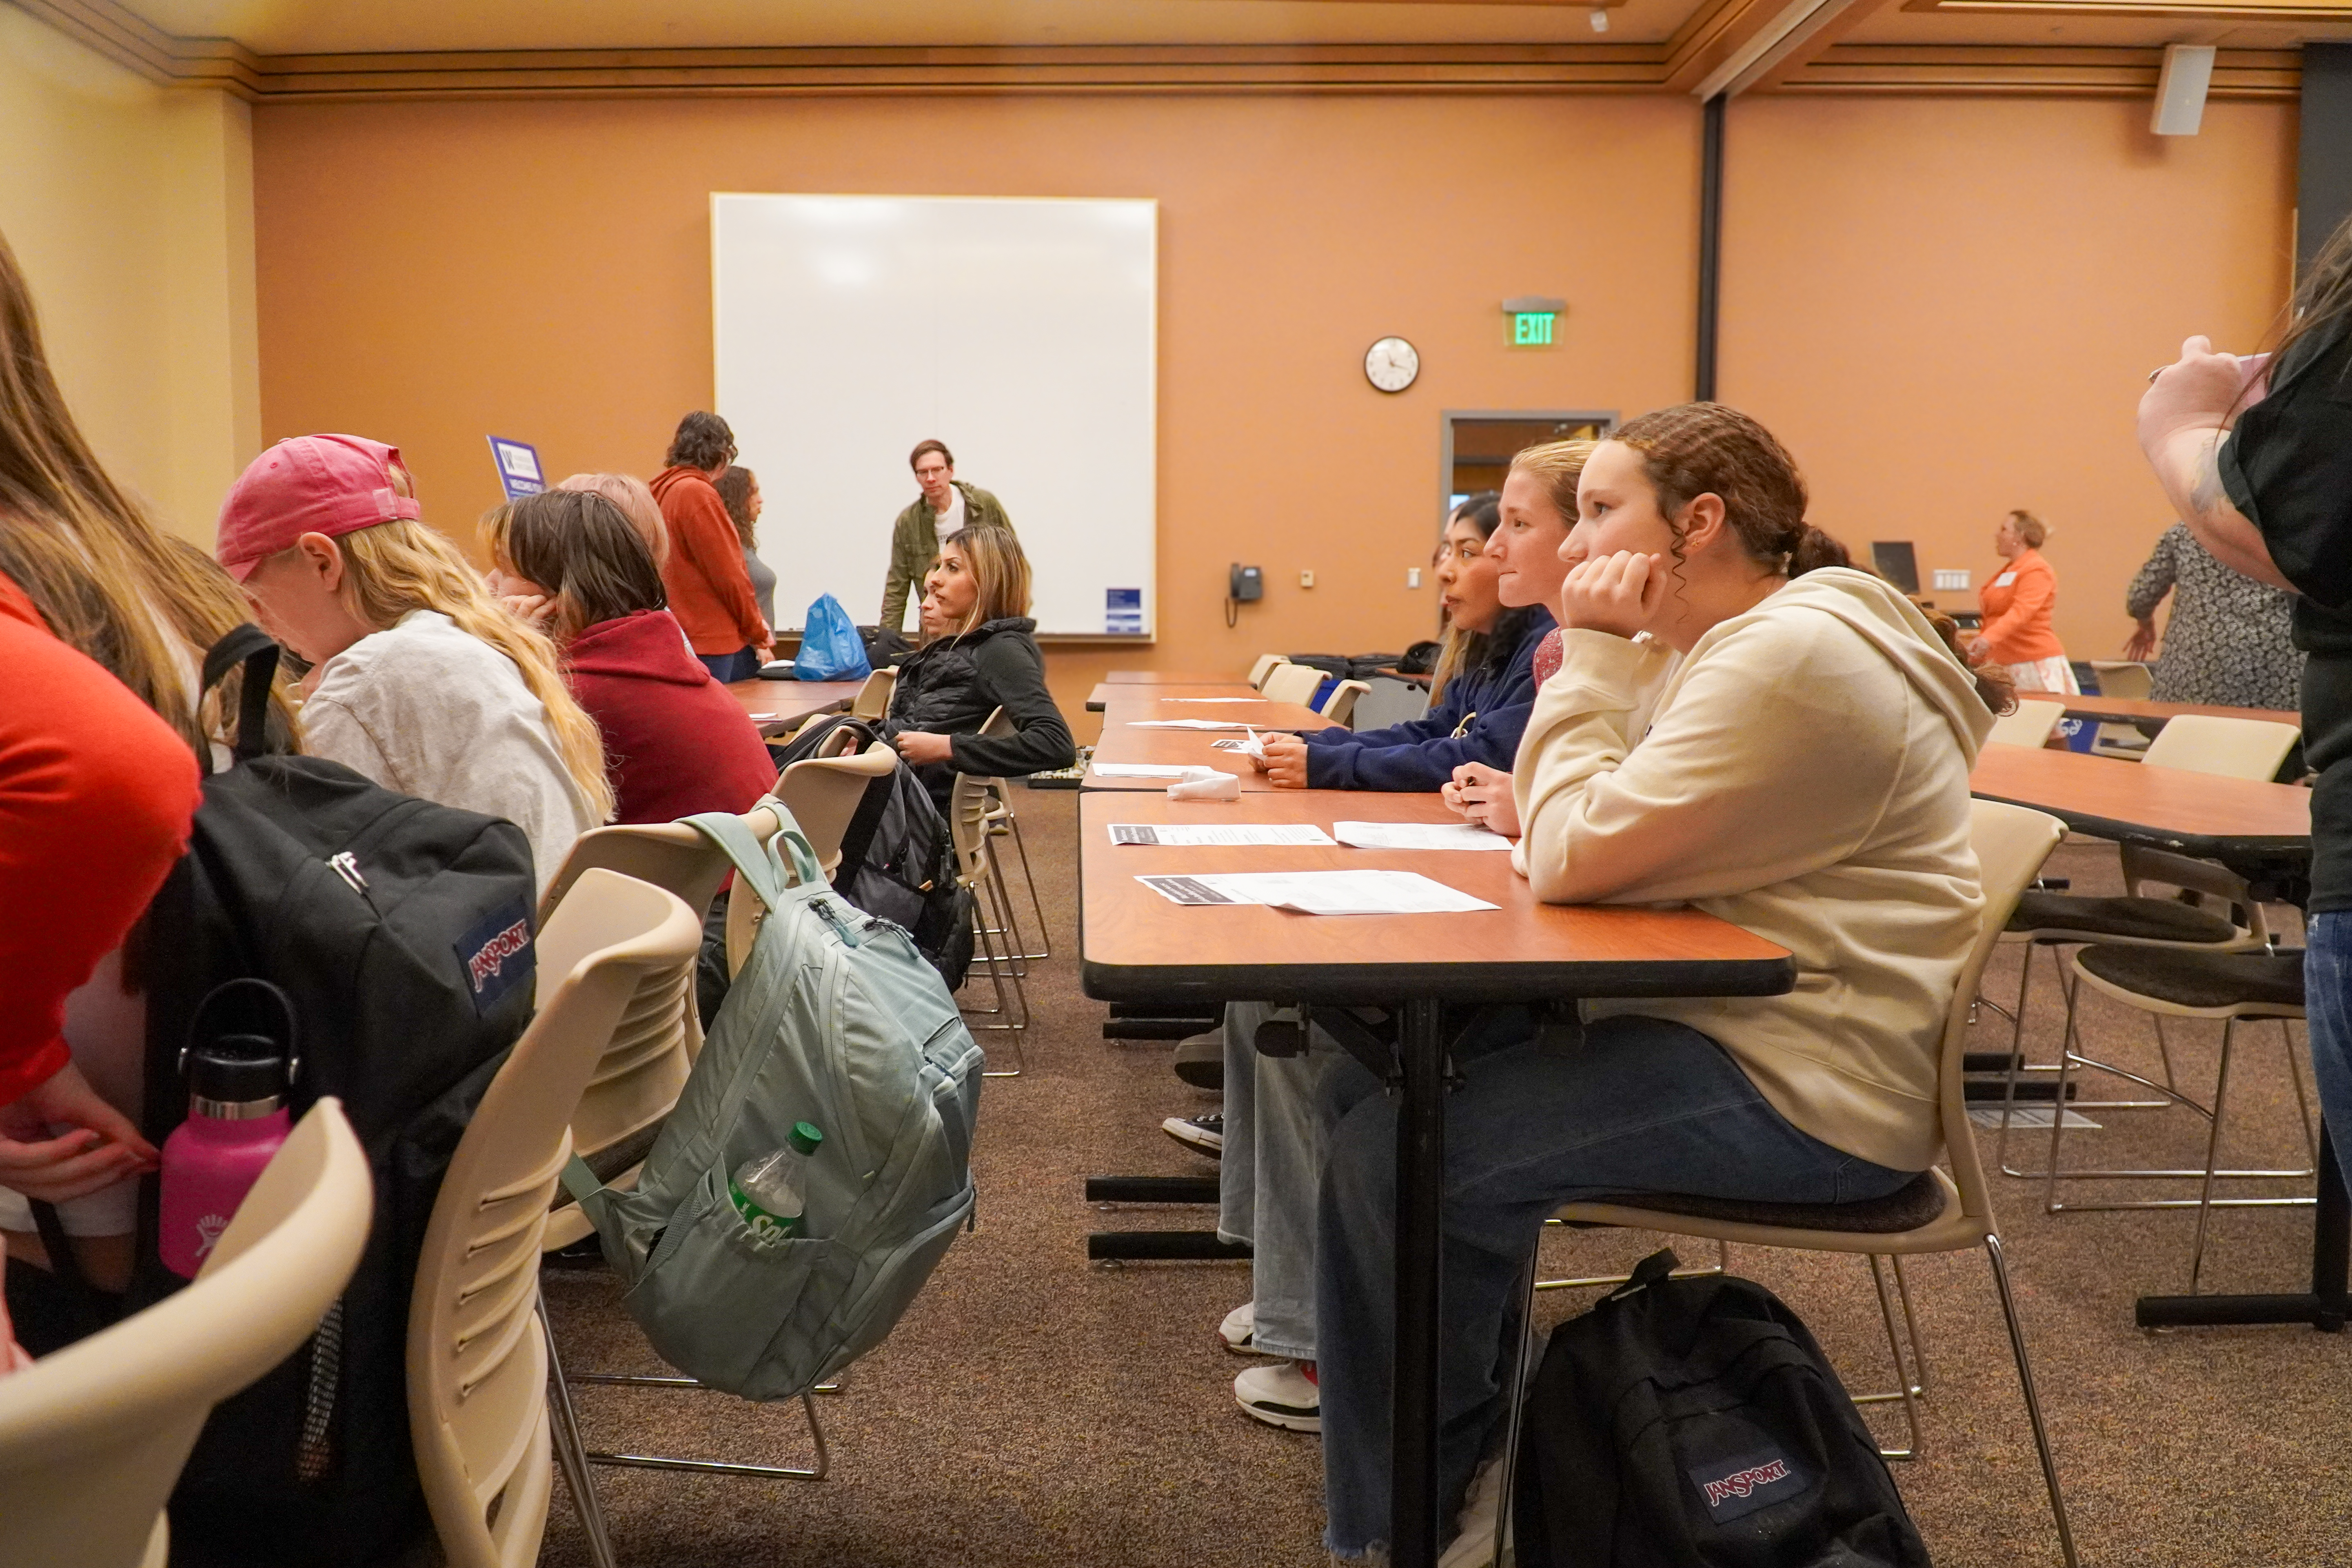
(131, 209)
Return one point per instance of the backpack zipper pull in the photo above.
(347, 865)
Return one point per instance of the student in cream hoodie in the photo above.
(1785, 748)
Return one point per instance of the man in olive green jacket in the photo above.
(946, 504)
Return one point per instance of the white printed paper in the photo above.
(1418, 836)
(1250, 745)
(1185, 724)
(1320, 892)
(1170, 833)
(1137, 771)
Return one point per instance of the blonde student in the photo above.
(1803, 774)
(422, 683)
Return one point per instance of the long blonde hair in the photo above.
(105, 578)
(993, 556)
(393, 568)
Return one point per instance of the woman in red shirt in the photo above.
(678, 743)
(2017, 601)
(709, 588)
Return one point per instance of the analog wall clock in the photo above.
(1391, 364)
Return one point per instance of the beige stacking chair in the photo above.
(1340, 706)
(873, 698)
(2030, 724)
(1267, 664)
(92, 1437)
(1004, 824)
(2229, 748)
(1939, 1212)
(1295, 683)
(968, 809)
(478, 1354)
(2133, 682)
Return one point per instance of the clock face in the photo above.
(1391, 364)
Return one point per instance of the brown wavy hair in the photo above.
(580, 547)
(1711, 448)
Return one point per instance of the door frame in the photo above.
(1605, 418)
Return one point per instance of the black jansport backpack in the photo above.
(898, 860)
(1694, 1424)
(401, 931)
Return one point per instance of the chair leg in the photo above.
(1000, 974)
(2212, 1153)
(815, 1472)
(2033, 1400)
(2302, 1101)
(1905, 1390)
(1021, 847)
(1911, 1326)
(1518, 1387)
(571, 1456)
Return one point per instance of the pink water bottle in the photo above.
(236, 1120)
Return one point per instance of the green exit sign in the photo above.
(1531, 329)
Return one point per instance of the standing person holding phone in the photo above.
(2256, 454)
(946, 507)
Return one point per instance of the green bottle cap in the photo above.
(806, 1137)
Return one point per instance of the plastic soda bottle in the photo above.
(770, 1190)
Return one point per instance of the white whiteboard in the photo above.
(1023, 333)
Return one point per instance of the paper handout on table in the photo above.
(1138, 770)
(1418, 836)
(1250, 745)
(1320, 892)
(1190, 833)
(1185, 724)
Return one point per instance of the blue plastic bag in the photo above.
(831, 648)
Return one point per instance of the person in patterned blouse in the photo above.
(2227, 641)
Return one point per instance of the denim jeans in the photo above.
(727, 668)
(1639, 1105)
(1272, 1166)
(2327, 1008)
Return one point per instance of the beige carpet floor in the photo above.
(1035, 1409)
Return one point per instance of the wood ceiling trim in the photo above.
(2219, 11)
(1713, 32)
(1987, 70)
(1819, 44)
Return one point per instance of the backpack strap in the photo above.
(758, 866)
(580, 1181)
(250, 647)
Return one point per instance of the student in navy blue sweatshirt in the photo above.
(1481, 694)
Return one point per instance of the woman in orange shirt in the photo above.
(2017, 602)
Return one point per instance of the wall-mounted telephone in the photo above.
(1246, 585)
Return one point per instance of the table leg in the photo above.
(1421, 1173)
(2325, 1307)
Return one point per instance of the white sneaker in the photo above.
(1239, 1331)
(1474, 1547)
(1283, 1394)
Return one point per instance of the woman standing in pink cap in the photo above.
(422, 683)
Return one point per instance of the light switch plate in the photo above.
(1954, 581)
(1412, 576)
(1307, 579)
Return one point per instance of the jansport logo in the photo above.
(1742, 1483)
(485, 964)
(496, 954)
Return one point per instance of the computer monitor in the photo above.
(1898, 563)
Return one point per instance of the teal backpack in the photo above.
(835, 1019)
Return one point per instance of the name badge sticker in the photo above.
(2004, 579)
(496, 955)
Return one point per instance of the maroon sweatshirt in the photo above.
(676, 743)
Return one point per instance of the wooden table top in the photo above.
(776, 706)
(2107, 797)
(1171, 677)
(1110, 691)
(1136, 945)
(1122, 743)
(2124, 709)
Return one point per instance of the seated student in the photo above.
(1479, 696)
(421, 682)
(1271, 1138)
(1805, 776)
(978, 654)
(677, 742)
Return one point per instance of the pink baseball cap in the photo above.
(332, 485)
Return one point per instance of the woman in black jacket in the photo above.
(978, 655)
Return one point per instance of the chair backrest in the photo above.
(1340, 706)
(92, 1438)
(2232, 748)
(2207, 882)
(969, 805)
(2011, 843)
(873, 698)
(823, 793)
(477, 1358)
(2028, 724)
(2122, 678)
(1292, 683)
(1265, 666)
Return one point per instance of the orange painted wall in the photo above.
(1945, 307)
(1949, 308)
